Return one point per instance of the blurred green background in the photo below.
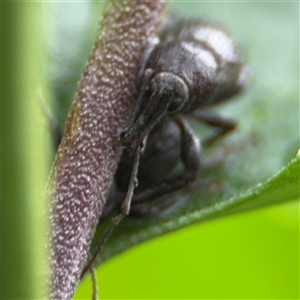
(254, 255)
(26, 151)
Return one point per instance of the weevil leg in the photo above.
(190, 156)
(93, 277)
(124, 211)
(224, 125)
(144, 210)
(94, 282)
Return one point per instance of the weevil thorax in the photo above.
(194, 65)
(204, 56)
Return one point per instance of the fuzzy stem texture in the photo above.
(90, 149)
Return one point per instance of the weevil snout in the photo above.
(165, 93)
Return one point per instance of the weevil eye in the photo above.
(171, 89)
(180, 96)
(176, 104)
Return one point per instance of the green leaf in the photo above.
(283, 186)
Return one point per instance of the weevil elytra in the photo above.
(195, 65)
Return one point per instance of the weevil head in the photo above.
(168, 91)
(163, 93)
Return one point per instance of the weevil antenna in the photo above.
(124, 210)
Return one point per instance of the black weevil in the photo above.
(195, 65)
